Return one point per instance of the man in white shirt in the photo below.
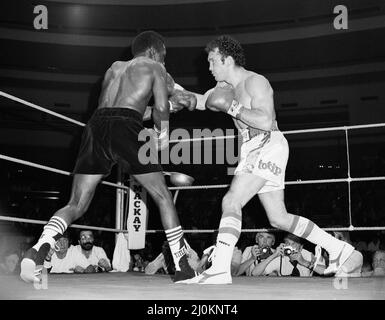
(253, 255)
(59, 260)
(88, 258)
(290, 259)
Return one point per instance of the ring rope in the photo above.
(32, 105)
(219, 186)
(215, 186)
(363, 126)
(79, 226)
(39, 166)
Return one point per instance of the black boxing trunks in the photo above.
(111, 136)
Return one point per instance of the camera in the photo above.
(265, 252)
(288, 250)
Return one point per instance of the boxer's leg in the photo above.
(155, 184)
(242, 189)
(339, 251)
(83, 189)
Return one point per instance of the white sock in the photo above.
(54, 227)
(304, 228)
(229, 232)
(177, 245)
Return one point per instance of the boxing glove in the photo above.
(222, 99)
(182, 99)
(160, 137)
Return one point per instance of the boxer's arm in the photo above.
(161, 111)
(147, 113)
(201, 99)
(261, 113)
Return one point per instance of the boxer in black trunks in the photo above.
(111, 136)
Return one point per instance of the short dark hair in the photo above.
(228, 47)
(294, 238)
(146, 40)
(85, 230)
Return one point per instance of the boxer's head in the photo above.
(224, 52)
(151, 44)
(86, 239)
(227, 47)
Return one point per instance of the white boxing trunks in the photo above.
(265, 155)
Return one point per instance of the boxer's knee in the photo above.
(160, 194)
(280, 222)
(75, 210)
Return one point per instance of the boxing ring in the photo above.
(138, 286)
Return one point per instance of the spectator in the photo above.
(11, 263)
(88, 258)
(59, 260)
(366, 269)
(375, 243)
(138, 263)
(253, 255)
(378, 263)
(361, 245)
(341, 235)
(165, 264)
(289, 259)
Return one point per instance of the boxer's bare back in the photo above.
(130, 84)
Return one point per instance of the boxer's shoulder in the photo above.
(258, 82)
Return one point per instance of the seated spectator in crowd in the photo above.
(378, 263)
(361, 245)
(289, 259)
(366, 270)
(88, 258)
(59, 259)
(375, 243)
(164, 261)
(138, 263)
(341, 235)
(253, 255)
(11, 263)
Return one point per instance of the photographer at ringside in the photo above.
(254, 255)
(289, 259)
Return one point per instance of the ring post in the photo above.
(119, 208)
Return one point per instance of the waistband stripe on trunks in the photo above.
(118, 112)
(250, 133)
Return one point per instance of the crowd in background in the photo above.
(256, 254)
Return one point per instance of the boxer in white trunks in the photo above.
(248, 98)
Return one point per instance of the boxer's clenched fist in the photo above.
(182, 99)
